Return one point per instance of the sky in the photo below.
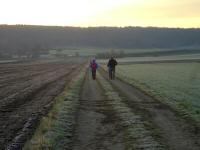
(85, 13)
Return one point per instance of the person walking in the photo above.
(111, 67)
(93, 66)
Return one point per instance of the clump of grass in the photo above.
(56, 129)
(135, 133)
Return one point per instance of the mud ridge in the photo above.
(22, 121)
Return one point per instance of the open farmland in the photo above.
(112, 115)
(177, 84)
(27, 91)
(57, 105)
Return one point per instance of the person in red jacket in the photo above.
(93, 66)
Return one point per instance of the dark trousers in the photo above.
(112, 73)
(93, 74)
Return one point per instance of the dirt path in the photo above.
(177, 133)
(96, 125)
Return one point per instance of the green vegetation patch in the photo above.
(177, 84)
(56, 129)
(135, 133)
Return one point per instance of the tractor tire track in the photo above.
(176, 132)
(96, 125)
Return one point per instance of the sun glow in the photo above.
(169, 13)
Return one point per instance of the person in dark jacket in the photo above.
(111, 67)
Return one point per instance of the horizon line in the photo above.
(101, 26)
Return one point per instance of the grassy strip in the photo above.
(183, 108)
(56, 129)
(137, 136)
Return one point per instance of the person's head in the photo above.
(93, 60)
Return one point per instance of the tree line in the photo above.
(20, 39)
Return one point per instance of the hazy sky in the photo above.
(160, 13)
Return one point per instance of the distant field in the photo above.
(94, 51)
(7, 61)
(160, 58)
(81, 51)
(153, 59)
(177, 84)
